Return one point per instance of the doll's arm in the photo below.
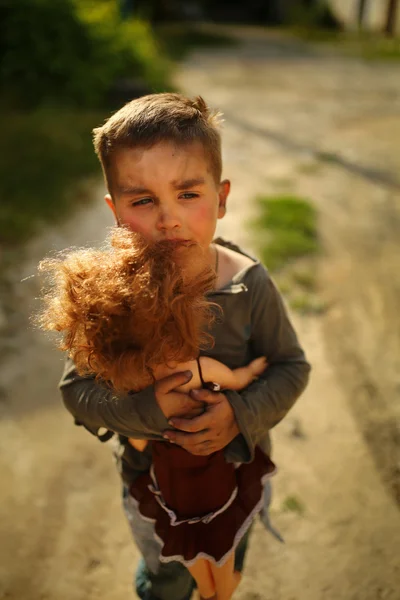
(215, 371)
(231, 379)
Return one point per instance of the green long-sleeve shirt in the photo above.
(254, 323)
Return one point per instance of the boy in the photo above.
(161, 158)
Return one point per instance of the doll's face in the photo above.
(167, 192)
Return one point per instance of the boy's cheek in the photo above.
(204, 217)
(134, 224)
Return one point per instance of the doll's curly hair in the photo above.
(128, 307)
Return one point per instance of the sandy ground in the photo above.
(297, 120)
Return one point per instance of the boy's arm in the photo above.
(265, 402)
(139, 415)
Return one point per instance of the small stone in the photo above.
(93, 563)
(292, 428)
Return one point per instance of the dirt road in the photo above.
(300, 121)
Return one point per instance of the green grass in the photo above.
(305, 278)
(310, 168)
(306, 303)
(287, 230)
(45, 154)
(293, 504)
(374, 47)
(286, 246)
(366, 45)
(288, 243)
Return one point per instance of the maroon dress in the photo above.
(201, 506)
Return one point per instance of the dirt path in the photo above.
(300, 121)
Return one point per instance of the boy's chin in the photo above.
(191, 258)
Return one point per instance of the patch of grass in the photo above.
(289, 230)
(310, 168)
(306, 304)
(305, 278)
(179, 40)
(288, 213)
(316, 34)
(298, 282)
(288, 244)
(366, 45)
(293, 504)
(376, 48)
(328, 157)
(45, 154)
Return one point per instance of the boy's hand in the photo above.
(173, 403)
(209, 432)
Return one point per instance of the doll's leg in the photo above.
(139, 445)
(226, 578)
(201, 572)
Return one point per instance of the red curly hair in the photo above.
(129, 307)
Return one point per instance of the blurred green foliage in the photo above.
(313, 15)
(45, 156)
(72, 51)
(179, 40)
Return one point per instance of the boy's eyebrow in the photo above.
(188, 183)
(133, 191)
(177, 185)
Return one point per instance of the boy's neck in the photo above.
(228, 263)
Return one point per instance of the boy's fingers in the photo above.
(167, 384)
(185, 439)
(205, 396)
(197, 443)
(190, 425)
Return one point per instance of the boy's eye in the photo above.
(189, 195)
(141, 202)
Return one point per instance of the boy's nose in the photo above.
(168, 220)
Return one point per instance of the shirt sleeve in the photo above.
(266, 401)
(96, 407)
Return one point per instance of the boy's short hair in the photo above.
(156, 118)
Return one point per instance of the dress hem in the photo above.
(238, 536)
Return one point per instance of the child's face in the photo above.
(167, 192)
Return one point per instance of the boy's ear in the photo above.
(224, 189)
(111, 204)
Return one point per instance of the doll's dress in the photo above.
(201, 506)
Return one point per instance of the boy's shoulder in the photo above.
(237, 266)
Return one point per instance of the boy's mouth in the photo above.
(179, 242)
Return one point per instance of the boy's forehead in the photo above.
(133, 163)
(192, 151)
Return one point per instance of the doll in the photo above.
(131, 314)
